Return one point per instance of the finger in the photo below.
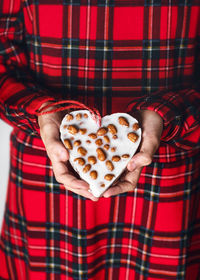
(128, 183)
(63, 176)
(139, 160)
(83, 193)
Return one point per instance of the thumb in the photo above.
(139, 160)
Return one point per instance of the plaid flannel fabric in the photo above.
(116, 55)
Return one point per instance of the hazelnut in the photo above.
(101, 154)
(93, 174)
(109, 177)
(106, 139)
(86, 168)
(82, 151)
(123, 121)
(68, 144)
(92, 159)
(125, 156)
(116, 158)
(79, 116)
(106, 147)
(102, 131)
(72, 129)
(109, 165)
(81, 161)
(69, 117)
(132, 136)
(83, 131)
(136, 126)
(98, 142)
(112, 129)
(92, 135)
(77, 143)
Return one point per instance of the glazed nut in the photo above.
(109, 165)
(93, 174)
(132, 136)
(98, 142)
(113, 149)
(106, 139)
(123, 121)
(102, 131)
(109, 177)
(92, 160)
(106, 147)
(101, 154)
(77, 143)
(125, 156)
(116, 158)
(83, 131)
(86, 168)
(114, 137)
(68, 144)
(102, 185)
(88, 141)
(92, 135)
(136, 126)
(82, 151)
(80, 161)
(78, 116)
(85, 116)
(69, 117)
(112, 129)
(72, 129)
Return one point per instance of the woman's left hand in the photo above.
(152, 126)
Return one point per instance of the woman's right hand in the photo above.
(49, 130)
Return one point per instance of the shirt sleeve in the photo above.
(180, 112)
(20, 96)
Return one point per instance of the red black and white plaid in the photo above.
(116, 55)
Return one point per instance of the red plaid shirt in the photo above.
(115, 55)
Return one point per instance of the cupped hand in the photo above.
(49, 130)
(152, 126)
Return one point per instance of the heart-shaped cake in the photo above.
(100, 154)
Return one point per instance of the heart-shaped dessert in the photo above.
(100, 154)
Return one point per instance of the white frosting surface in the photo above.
(122, 144)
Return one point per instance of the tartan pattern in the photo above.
(96, 51)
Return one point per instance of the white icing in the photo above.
(122, 143)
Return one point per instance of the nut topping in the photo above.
(92, 159)
(132, 136)
(102, 131)
(92, 135)
(86, 168)
(102, 185)
(106, 147)
(88, 141)
(68, 144)
(136, 126)
(106, 139)
(69, 117)
(101, 154)
(81, 161)
(113, 149)
(98, 142)
(85, 116)
(112, 129)
(125, 156)
(77, 143)
(72, 129)
(79, 116)
(109, 177)
(82, 151)
(114, 137)
(109, 165)
(116, 158)
(123, 121)
(93, 174)
(83, 131)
